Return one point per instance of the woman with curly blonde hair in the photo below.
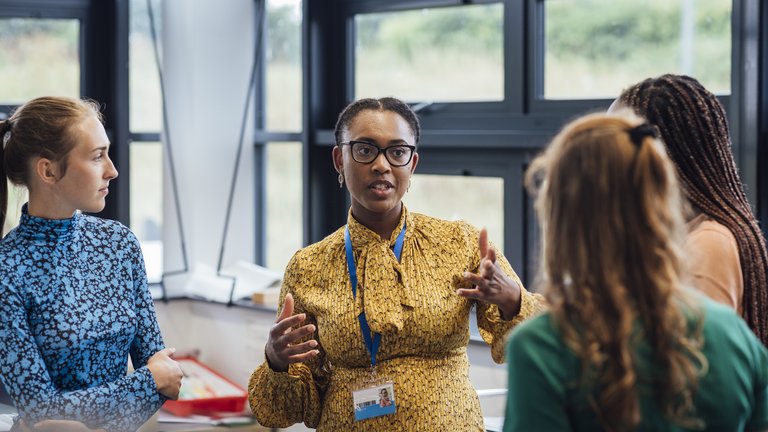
(625, 344)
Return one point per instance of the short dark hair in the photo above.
(383, 104)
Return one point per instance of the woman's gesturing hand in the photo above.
(491, 284)
(166, 372)
(282, 346)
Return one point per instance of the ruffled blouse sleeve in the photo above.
(493, 328)
(280, 399)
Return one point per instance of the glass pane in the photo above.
(17, 196)
(284, 224)
(596, 55)
(147, 203)
(283, 66)
(423, 55)
(477, 200)
(146, 104)
(38, 57)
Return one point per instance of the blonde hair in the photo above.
(612, 225)
(41, 127)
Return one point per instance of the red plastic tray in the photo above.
(219, 396)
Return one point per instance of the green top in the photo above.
(544, 392)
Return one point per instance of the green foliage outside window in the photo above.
(595, 48)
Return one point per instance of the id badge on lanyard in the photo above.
(375, 395)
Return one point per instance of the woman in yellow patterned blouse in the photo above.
(384, 302)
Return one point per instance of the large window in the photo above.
(146, 162)
(146, 103)
(451, 54)
(283, 66)
(283, 181)
(146, 151)
(477, 200)
(279, 122)
(38, 57)
(595, 48)
(493, 81)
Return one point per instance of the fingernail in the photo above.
(313, 344)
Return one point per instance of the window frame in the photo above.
(536, 64)
(457, 111)
(103, 48)
(517, 128)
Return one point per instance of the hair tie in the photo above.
(638, 133)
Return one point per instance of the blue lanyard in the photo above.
(372, 344)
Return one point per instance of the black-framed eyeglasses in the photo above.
(364, 152)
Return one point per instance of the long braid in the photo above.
(694, 128)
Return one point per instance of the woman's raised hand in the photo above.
(166, 372)
(283, 347)
(491, 284)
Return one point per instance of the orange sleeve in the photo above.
(713, 260)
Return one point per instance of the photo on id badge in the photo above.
(374, 401)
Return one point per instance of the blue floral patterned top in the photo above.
(74, 303)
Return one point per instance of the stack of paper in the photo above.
(248, 278)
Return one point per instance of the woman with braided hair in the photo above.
(626, 345)
(725, 248)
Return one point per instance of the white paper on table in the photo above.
(249, 278)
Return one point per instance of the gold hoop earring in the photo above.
(341, 180)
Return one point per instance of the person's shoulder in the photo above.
(14, 249)
(433, 227)
(541, 324)
(711, 234)
(722, 326)
(9, 242)
(109, 227)
(14, 255)
(535, 333)
(319, 252)
(97, 222)
(711, 310)
(537, 342)
(728, 339)
(331, 242)
(421, 219)
(109, 232)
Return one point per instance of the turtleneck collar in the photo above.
(363, 236)
(48, 230)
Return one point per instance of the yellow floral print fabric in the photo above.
(424, 329)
